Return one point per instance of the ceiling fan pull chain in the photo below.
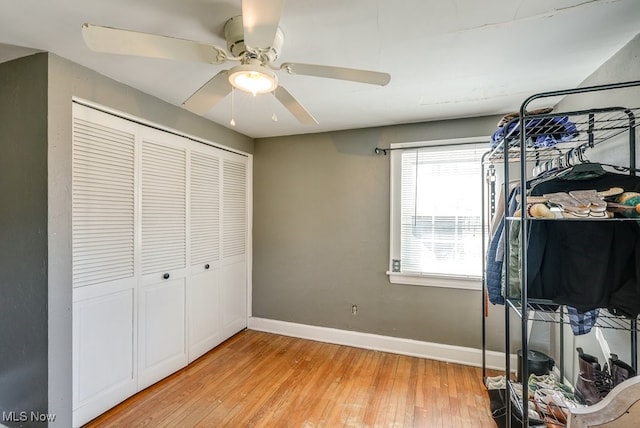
(233, 121)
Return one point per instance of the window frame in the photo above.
(467, 282)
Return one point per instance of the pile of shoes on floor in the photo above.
(594, 382)
(549, 400)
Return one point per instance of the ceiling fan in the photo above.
(253, 39)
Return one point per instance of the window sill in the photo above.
(443, 281)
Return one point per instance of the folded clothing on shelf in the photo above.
(543, 132)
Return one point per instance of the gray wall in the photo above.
(321, 238)
(321, 231)
(23, 237)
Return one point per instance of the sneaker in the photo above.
(549, 381)
(542, 381)
(496, 382)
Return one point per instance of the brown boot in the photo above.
(593, 384)
(620, 371)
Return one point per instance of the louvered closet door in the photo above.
(103, 220)
(234, 244)
(162, 311)
(203, 284)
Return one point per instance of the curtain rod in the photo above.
(382, 151)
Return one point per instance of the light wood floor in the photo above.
(264, 380)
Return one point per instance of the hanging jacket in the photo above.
(586, 264)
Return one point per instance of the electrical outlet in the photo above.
(354, 309)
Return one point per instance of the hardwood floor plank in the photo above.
(309, 404)
(379, 392)
(360, 395)
(291, 377)
(334, 388)
(259, 379)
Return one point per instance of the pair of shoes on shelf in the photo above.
(554, 405)
(531, 407)
(581, 203)
(594, 382)
(568, 204)
(542, 381)
(552, 398)
(550, 381)
(589, 198)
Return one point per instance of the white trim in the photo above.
(249, 251)
(460, 282)
(395, 345)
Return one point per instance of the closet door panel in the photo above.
(163, 229)
(103, 199)
(204, 312)
(204, 215)
(234, 298)
(103, 353)
(163, 207)
(234, 245)
(234, 191)
(104, 279)
(203, 286)
(162, 323)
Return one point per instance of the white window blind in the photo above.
(438, 227)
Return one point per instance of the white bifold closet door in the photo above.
(234, 245)
(203, 288)
(103, 247)
(162, 307)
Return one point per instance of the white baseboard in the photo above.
(395, 345)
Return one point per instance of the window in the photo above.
(436, 208)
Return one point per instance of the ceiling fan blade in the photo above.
(340, 73)
(125, 42)
(209, 94)
(260, 19)
(294, 106)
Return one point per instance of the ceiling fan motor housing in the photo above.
(234, 35)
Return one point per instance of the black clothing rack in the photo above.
(594, 127)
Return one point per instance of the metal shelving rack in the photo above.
(594, 127)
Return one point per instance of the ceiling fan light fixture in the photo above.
(253, 78)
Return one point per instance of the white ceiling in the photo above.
(447, 59)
